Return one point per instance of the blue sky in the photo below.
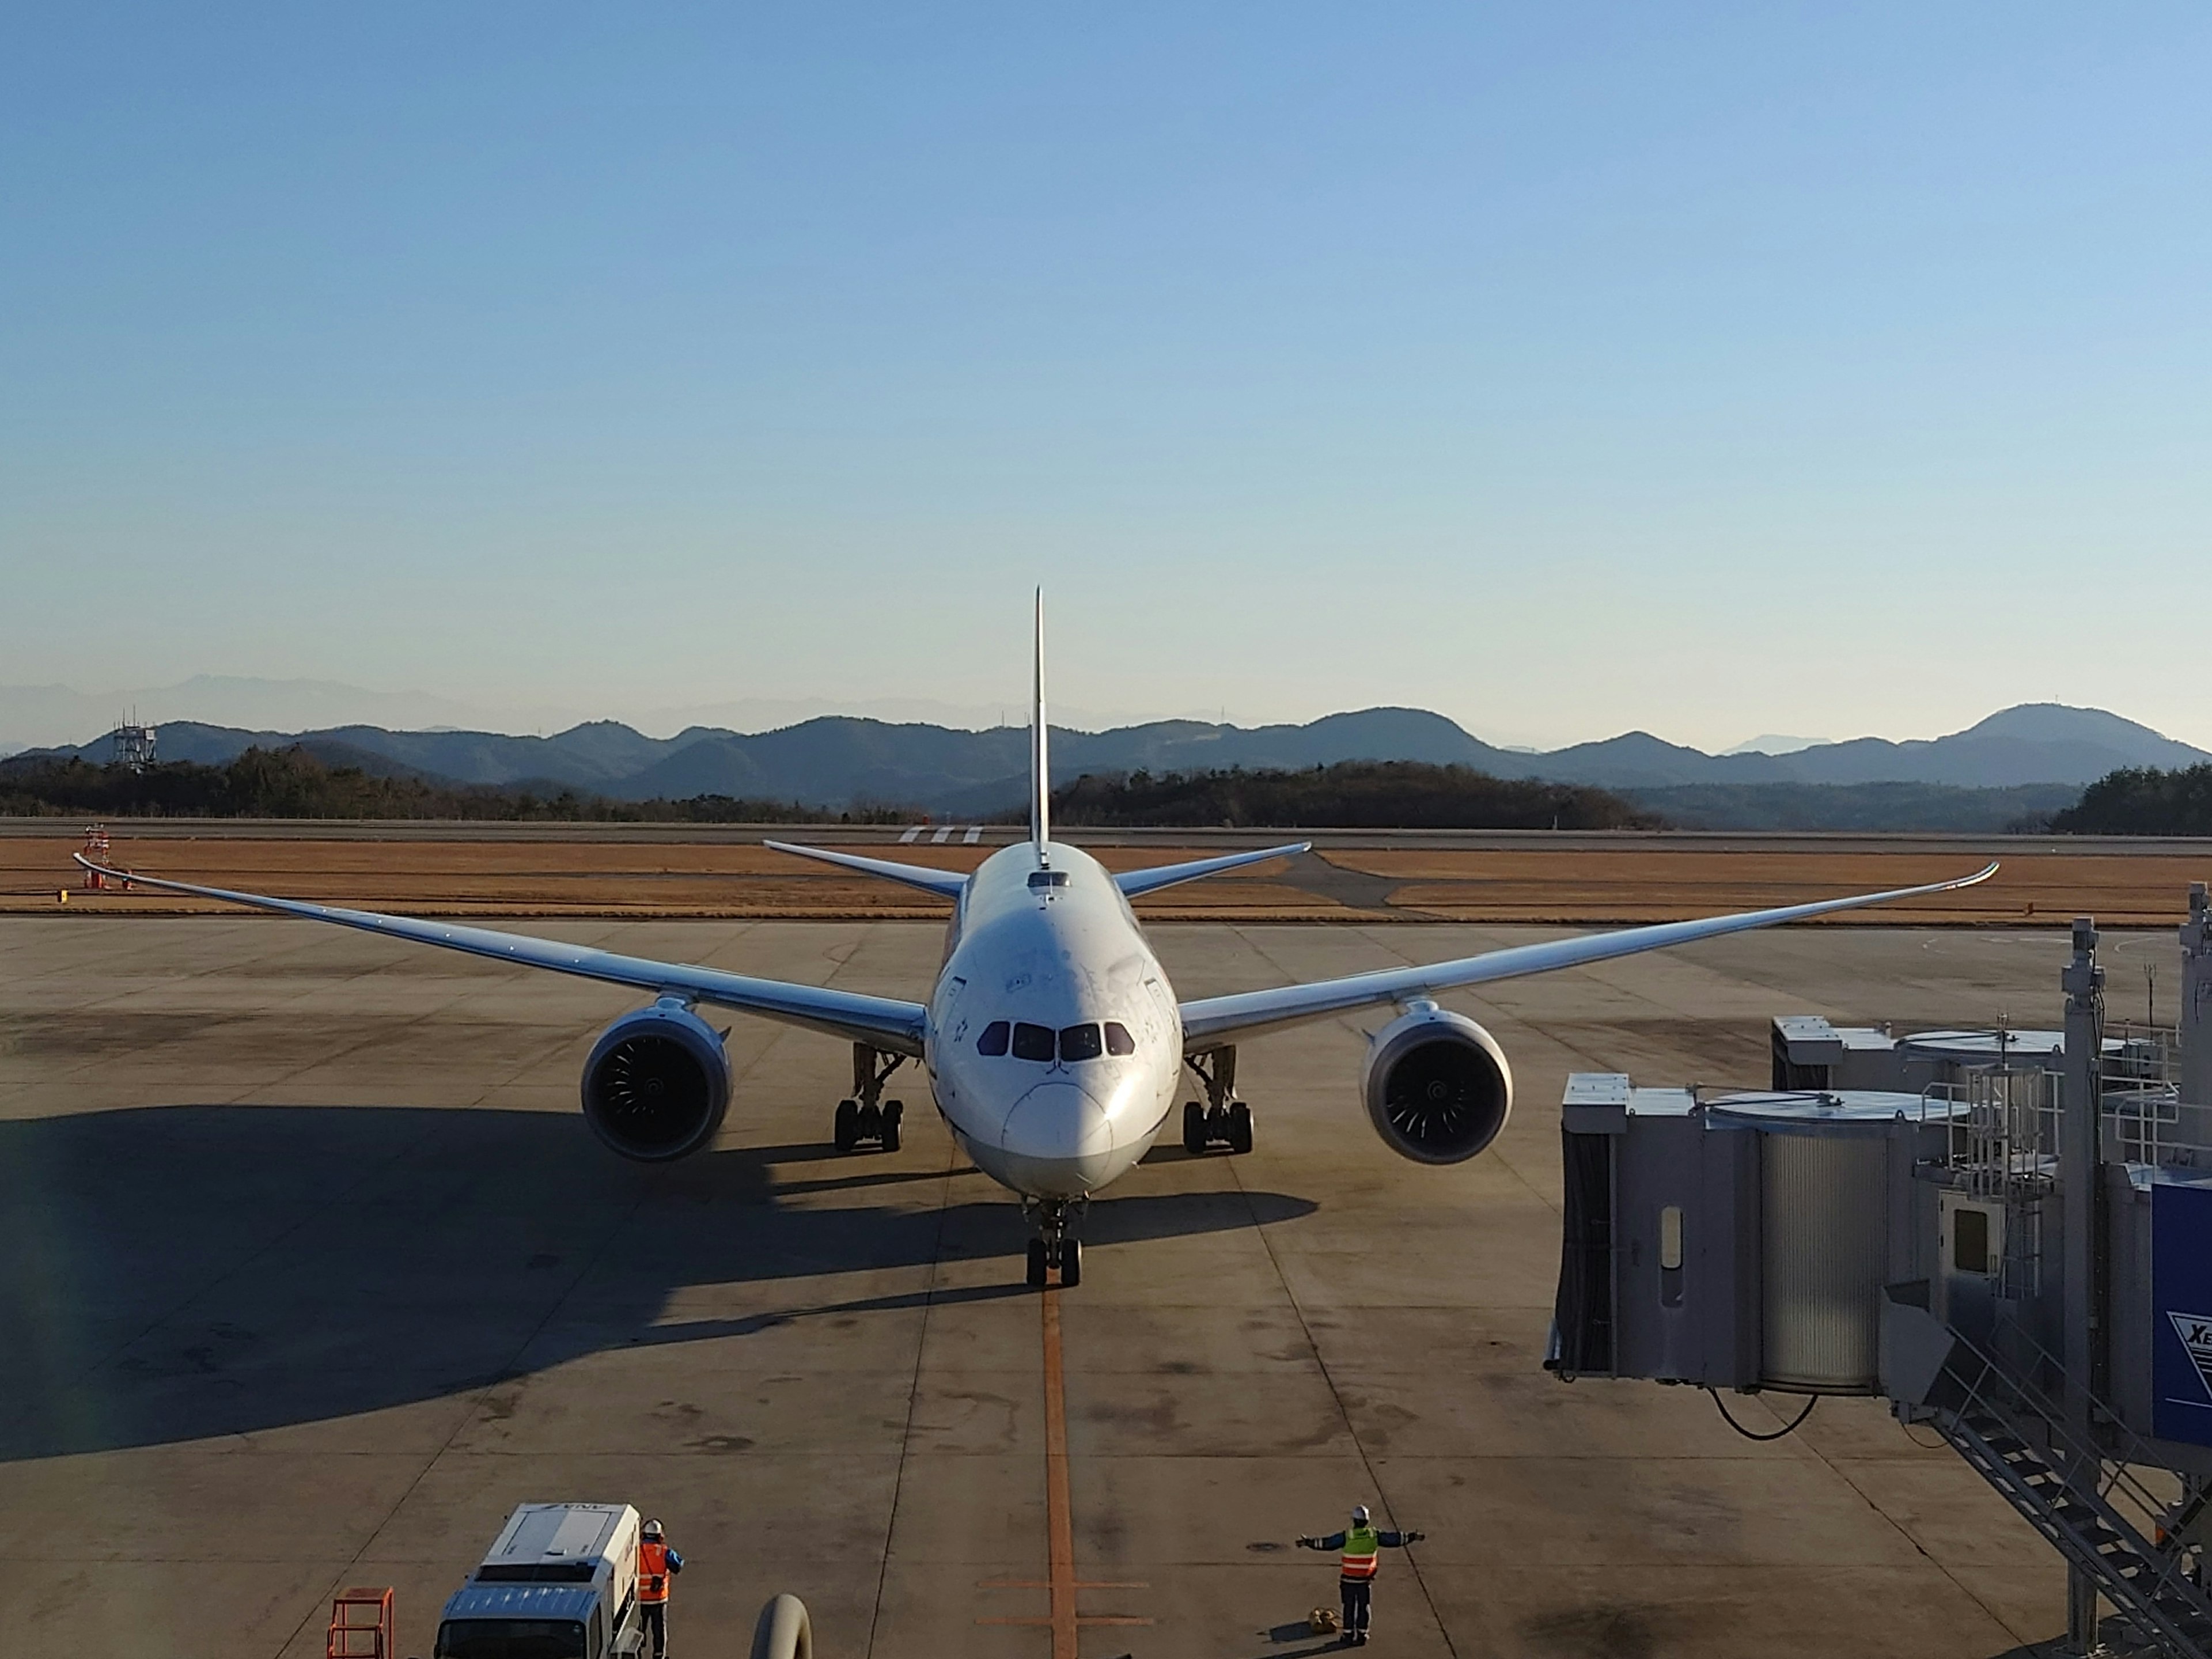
(1565, 369)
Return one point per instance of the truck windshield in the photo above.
(511, 1638)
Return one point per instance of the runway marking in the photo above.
(911, 836)
(944, 835)
(974, 834)
(1046, 1583)
(1059, 1516)
(1064, 1620)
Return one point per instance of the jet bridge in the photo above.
(2008, 1235)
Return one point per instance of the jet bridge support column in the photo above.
(2083, 982)
(2196, 998)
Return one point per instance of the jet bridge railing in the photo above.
(2004, 1130)
(2152, 1125)
(2115, 1445)
(2136, 1051)
(2087, 1502)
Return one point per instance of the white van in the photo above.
(560, 1582)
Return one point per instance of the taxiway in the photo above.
(314, 1271)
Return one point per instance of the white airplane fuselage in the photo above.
(1051, 948)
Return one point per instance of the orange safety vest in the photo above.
(653, 1574)
(1362, 1552)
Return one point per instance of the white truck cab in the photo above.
(559, 1583)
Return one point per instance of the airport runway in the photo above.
(314, 1271)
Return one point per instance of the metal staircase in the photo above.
(2019, 1443)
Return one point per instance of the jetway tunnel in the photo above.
(2006, 1235)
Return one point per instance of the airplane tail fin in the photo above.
(1039, 769)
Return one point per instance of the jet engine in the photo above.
(657, 1083)
(1438, 1087)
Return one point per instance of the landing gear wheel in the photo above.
(867, 1116)
(1193, 1128)
(1217, 1125)
(1240, 1127)
(1071, 1264)
(1036, 1264)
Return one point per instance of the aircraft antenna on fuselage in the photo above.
(1040, 772)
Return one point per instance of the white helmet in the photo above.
(1360, 1514)
(653, 1528)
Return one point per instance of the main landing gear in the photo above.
(1056, 1245)
(1223, 1121)
(867, 1115)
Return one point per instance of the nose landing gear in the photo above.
(867, 1115)
(1056, 1245)
(1222, 1121)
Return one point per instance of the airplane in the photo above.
(1052, 1041)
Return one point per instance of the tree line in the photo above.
(296, 783)
(1349, 795)
(2142, 800)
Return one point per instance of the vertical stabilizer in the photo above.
(1040, 770)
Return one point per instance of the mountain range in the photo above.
(839, 760)
(41, 716)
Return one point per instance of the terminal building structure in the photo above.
(2005, 1234)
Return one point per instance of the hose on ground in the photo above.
(783, 1631)
(1811, 1401)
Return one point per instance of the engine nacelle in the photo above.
(657, 1083)
(1436, 1085)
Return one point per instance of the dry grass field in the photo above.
(585, 877)
(592, 874)
(1647, 883)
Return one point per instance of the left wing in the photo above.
(1211, 1021)
(945, 883)
(894, 1026)
(1133, 882)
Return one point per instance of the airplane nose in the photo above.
(1058, 1122)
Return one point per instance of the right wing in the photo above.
(894, 1026)
(1212, 1022)
(1133, 882)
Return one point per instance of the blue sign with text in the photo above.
(2181, 1312)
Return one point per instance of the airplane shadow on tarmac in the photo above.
(174, 1273)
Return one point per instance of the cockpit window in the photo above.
(1085, 1042)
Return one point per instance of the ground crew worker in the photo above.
(1362, 1544)
(656, 1565)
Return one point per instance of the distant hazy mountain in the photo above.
(839, 760)
(597, 756)
(40, 716)
(1772, 743)
(2033, 743)
(36, 715)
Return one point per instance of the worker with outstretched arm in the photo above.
(1362, 1545)
(656, 1565)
